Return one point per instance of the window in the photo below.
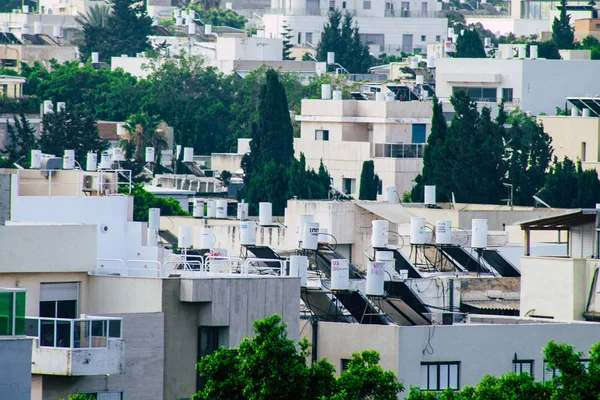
(583, 151)
(349, 185)
(322, 135)
(418, 133)
(299, 37)
(423, 9)
(438, 38)
(423, 38)
(507, 94)
(478, 93)
(437, 376)
(343, 4)
(380, 187)
(366, 5)
(309, 37)
(520, 366)
(10, 63)
(550, 374)
(331, 5)
(344, 364)
(597, 26)
(210, 338)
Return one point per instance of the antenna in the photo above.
(538, 200)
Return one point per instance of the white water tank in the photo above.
(95, 57)
(5, 27)
(208, 29)
(414, 63)
(330, 57)
(391, 194)
(379, 96)
(337, 95)
(574, 111)
(386, 257)
(533, 52)
(191, 27)
(585, 112)
(105, 161)
(206, 237)
(323, 235)
(418, 234)
(325, 92)
(69, 159)
(198, 211)
(211, 209)
(522, 51)
(57, 32)
(390, 97)
(430, 62)
(310, 238)
(298, 268)
(487, 42)
(375, 278)
(302, 219)
(379, 235)
(265, 214)
(154, 218)
(179, 20)
(443, 232)
(184, 239)
(188, 154)
(37, 28)
(248, 233)
(429, 198)
(150, 152)
(479, 233)
(117, 154)
(221, 208)
(25, 30)
(242, 211)
(419, 79)
(36, 159)
(286, 217)
(340, 274)
(152, 237)
(48, 107)
(61, 106)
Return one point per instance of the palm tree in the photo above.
(96, 17)
(143, 131)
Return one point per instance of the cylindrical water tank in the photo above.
(206, 238)
(417, 230)
(105, 160)
(419, 79)
(414, 63)
(69, 159)
(302, 219)
(389, 96)
(487, 42)
(242, 211)
(117, 154)
(48, 107)
(443, 232)
(585, 112)
(325, 92)
(265, 214)
(375, 278)
(61, 106)
(211, 209)
(391, 194)
(191, 27)
(386, 257)
(150, 152)
(208, 29)
(310, 239)
(198, 211)
(184, 239)
(151, 237)
(36, 159)
(330, 57)
(430, 62)
(154, 218)
(221, 208)
(25, 30)
(57, 32)
(450, 32)
(5, 27)
(379, 235)
(179, 20)
(95, 57)
(533, 52)
(379, 96)
(340, 274)
(298, 268)
(337, 94)
(429, 198)
(188, 154)
(37, 28)
(479, 233)
(323, 235)
(574, 112)
(286, 217)
(248, 233)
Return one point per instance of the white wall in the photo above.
(518, 27)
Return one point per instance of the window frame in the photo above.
(324, 135)
(520, 362)
(367, 4)
(438, 365)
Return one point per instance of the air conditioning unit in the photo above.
(99, 183)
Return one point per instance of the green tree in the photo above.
(563, 34)
(225, 177)
(561, 184)
(220, 17)
(20, 141)
(592, 44)
(339, 36)
(369, 182)
(469, 45)
(143, 131)
(287, 45)
(270, 366)
(73, 129)
(144, 200)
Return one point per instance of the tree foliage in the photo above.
(341, 37)
(144, 200)
(287, 45)
(20, 141)
(369, 182)
(593, 44)
(563, 34)
(569, 186)
(469, 45)
(270, 366)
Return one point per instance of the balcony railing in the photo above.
(414, 14)
(325, 12)
(80, 333)
(399, 150)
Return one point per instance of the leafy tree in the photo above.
(592, 44)
(220, 17)
(563, 34)
(455, 18)
(547, 49)
(143, 131)
(305, 183)
(270, 366)
(287, 45)
(20, 141)
(369, 182)
(339, 36)
(561, 184)
(144, 200)
(225, 178)
(72, 128)
(469, 45)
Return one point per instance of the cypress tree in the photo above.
(561, 186)
(563, 34)
(369, 182)
(469, 45)
(287, 45)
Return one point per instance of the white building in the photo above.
(345, 133)
(534, 85)
(60, 27)
(392, 26)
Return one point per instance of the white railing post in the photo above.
(72, 334)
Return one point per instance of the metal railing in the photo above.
(78, 333)
(414, 14)
(106, 182)
(358, 13)
(399, 150)
(261, 265)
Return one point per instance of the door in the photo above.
(407, 43)
(57, 300)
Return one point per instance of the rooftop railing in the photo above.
(79, 333)
(386, 13)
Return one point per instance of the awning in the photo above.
(494, 305)
(394, 213)
(561, 222)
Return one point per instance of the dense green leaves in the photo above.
(569, 186)
(144, 200)
(369, 182)
(19, 142)
(469, 45)
(269, 366)
(563, 34)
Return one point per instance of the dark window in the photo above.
(344, 364)
(322, 135)
(418, 133)
(438, 38)
(380, 187)
(437, 376)
(343, 4)
(597, 26)
(9, 63)
(523, 366)
(550, 374)
(104, 395)
(478, 93)
(366, 5)
(208, 343)
(331, 5)
(349, 185)
(507, 94)
(299, 37)
(309, 37)
(423, 38)
(58, 309)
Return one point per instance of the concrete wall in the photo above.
(226, 162)
(15, 368)
(4, 198)
(518, 27)
(114, 294)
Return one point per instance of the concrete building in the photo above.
(587, 27)
(62, 28)
(526, 83)
(345, 133)
(388, 26)
(32, 48)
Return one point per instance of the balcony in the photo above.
(399, 150)
(390, 13)
(76, 347)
